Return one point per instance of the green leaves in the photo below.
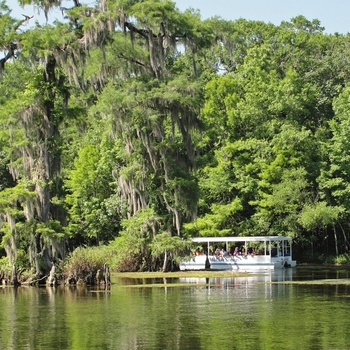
(319, 215)
(163, 243)
(219, 222)
(93, 210)
(134, 119)
(83, 178)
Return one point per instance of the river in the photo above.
(270, 311)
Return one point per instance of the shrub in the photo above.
(84, 263)
(342, 259)
(124, 256)
(5, 269)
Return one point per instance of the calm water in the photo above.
(234, 313)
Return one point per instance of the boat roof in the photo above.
(241, 239)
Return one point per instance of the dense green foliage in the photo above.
(136, 125)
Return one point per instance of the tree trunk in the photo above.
(165, 261)
(335, 241)
(14, 279)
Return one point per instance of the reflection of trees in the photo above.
(32, 316)
(232, 313)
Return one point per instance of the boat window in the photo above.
(286, 248)
(274, 251)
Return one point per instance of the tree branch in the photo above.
(12, 46)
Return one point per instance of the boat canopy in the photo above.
(241, 239)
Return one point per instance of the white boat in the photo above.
(240, 253)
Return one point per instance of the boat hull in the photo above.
(239, 263)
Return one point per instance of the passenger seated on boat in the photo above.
(199, 252)
(195, 253)
(217, 252)
(236, 252)
(251, 251)
(223, 252)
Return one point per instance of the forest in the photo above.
(130, 126)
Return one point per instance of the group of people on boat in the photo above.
(232, 251)
(237, 251)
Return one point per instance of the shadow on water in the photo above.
(319, 272)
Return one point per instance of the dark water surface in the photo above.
(216, 313)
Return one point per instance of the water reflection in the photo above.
(227, 313)
(250, 282)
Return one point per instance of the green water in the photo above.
(235, 313)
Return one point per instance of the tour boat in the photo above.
(240, 253)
